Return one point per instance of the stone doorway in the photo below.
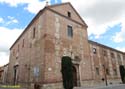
(70, 72)
(76, 77)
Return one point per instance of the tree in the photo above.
(122, 73)
(67, 72)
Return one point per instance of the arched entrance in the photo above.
(74, 76)
(70, 72)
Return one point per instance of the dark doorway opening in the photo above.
(74, 76)
(122, 73)
(15, 74)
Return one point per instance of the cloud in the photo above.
(8, 20)
(7, 38)
(4, 58)
(33, 6)
(121, 49)
(1, 20)
(11, 20)
(99, 15)
(120, 36)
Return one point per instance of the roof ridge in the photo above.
(100, 44)
(51, 6)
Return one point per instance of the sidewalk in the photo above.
(115, 86)
(2, 86)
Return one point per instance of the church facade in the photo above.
(58, 31)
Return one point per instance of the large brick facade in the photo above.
(36, 54)
(106, 62)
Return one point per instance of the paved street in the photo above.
(106, 87)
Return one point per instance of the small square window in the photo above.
(70, 31)
(94, 50)
(69, 14)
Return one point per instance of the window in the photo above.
(23, 43)
(107, 72)
(115, 72)
(34, 32)
(13, 52)
(69, 14)
(105, 53)
(97, 70)
(119, 57)
(18, 48)
(70, 31)
(112, 55)
(94, 50)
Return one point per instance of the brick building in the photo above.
(106, 62)
(3, 74)
(58, 31)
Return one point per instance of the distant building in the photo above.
(58, 31)
(3, 74)
(106, 61)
